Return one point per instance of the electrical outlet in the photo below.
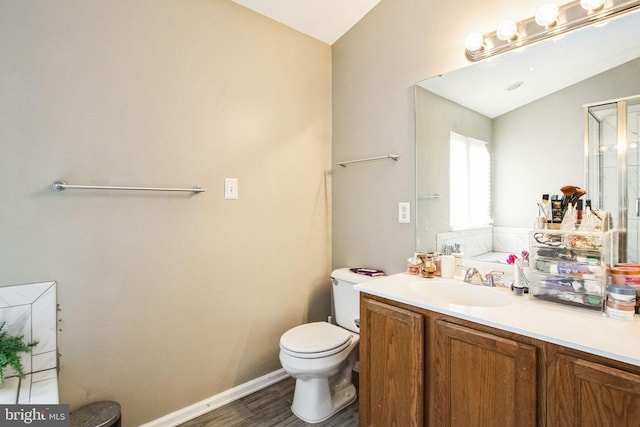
(231, 188)
(404, 212)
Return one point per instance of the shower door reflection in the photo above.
(612, 167)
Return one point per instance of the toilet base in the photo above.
(313, 401)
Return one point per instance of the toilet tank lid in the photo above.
(347, 275)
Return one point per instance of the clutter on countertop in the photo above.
(569, 212)
(573, 249)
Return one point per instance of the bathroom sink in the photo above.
(460, 294)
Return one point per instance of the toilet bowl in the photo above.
(323, 372)
(321, 356)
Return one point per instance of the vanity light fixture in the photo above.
(507, 31)
(474, 42)
(547, 15)
(550, 21)
(591, 5)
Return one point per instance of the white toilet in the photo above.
(321, 356)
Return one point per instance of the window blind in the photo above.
(470, 182)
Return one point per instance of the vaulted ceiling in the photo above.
(325, 20)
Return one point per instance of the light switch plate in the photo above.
(404, 212)
(231, 188)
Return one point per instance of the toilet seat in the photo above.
(315, 340)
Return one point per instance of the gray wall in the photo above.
(166, 299)
(539, 147)
(436, 118)
(375, 66)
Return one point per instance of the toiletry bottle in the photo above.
(414, 266)
(556, 209)
(579, 212)
(430, 268)
(546, 207)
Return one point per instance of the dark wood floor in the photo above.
(270, 407)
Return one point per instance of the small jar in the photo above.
(414, 266)
(620, 310)
(621, 293)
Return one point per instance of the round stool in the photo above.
(98, 414)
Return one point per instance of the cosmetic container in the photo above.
(621, 293)
(414, 266)
(620, 310)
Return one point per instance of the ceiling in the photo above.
(325, 20)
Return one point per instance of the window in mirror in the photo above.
(470, 182)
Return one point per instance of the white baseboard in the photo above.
(193, 411)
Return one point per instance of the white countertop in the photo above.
(578, 328)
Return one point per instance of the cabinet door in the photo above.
(483, 379)
(586, 393)
(391, 365)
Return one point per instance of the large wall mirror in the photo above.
(529, 106)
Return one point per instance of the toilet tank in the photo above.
(346, 300)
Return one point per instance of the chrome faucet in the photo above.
(474, 277)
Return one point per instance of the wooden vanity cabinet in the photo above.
(421, 368)
(586, 390)
(392, 358)
(482, 379)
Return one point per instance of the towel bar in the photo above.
(61, 185)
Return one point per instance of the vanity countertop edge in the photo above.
(582, 329)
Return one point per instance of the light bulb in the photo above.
(591, 4)
(508, 30)
(547, 15)
(474, 42)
